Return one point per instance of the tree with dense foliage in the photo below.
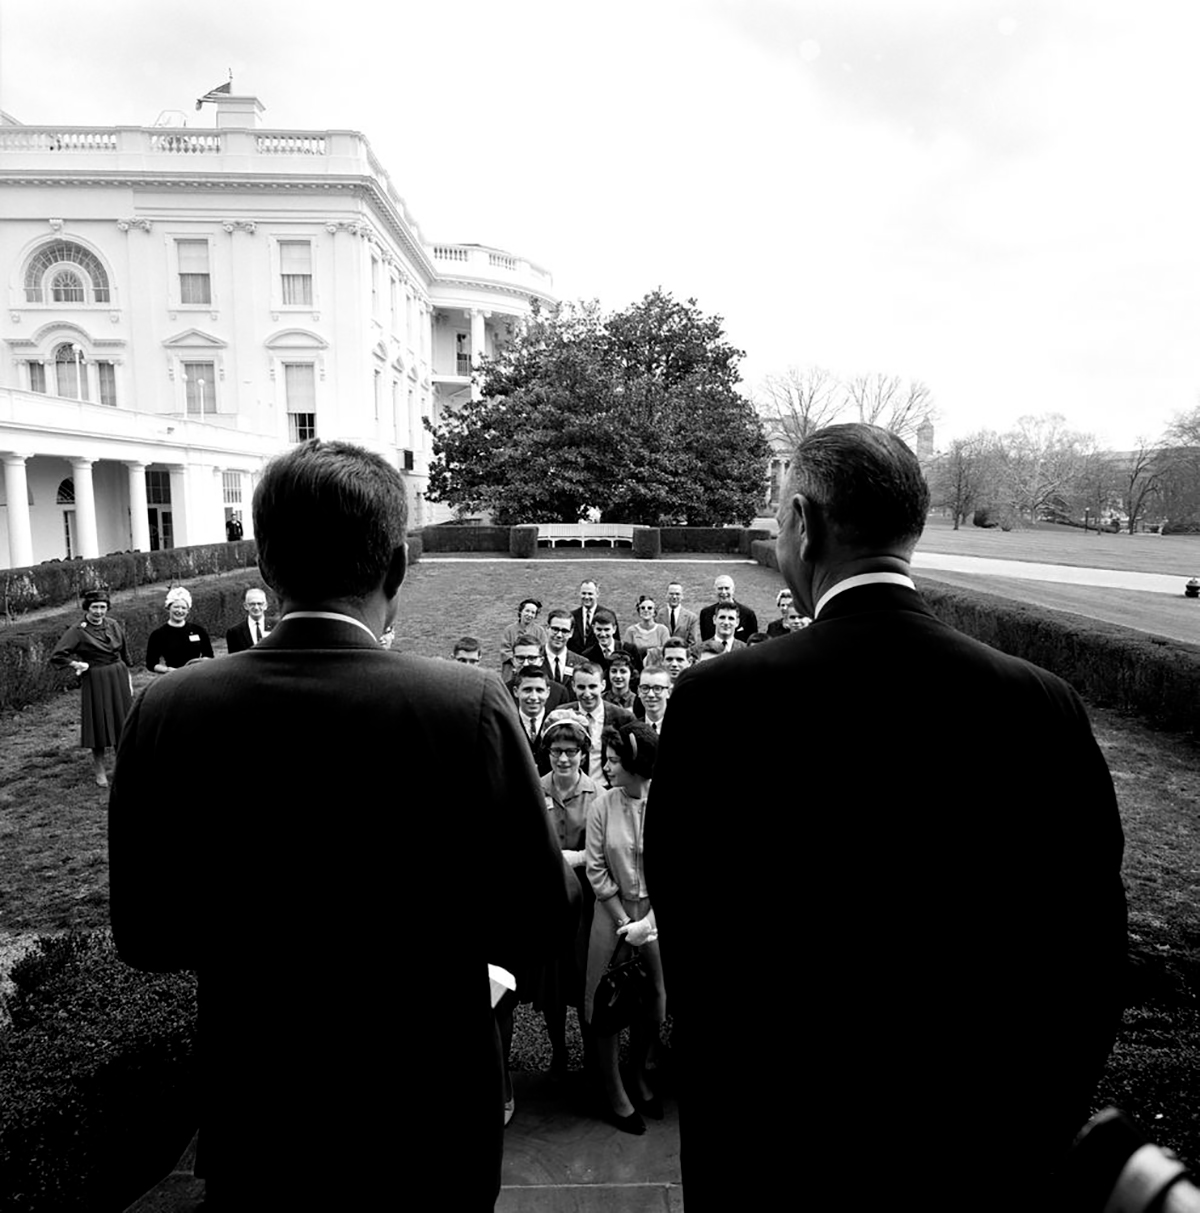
(636, 414)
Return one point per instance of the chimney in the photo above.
(238, 113)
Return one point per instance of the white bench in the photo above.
(611, 533)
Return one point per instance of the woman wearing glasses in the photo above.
(646, 633)
(615, 828)
(569, 796)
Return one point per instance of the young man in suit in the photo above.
(337, 803)
(606, 647)
(253, 628)
(557, 657)
(532, 690)
(587, 680)
(677, 619)
(959, 889)
(527, 651)
(723, 588)
(725, 620)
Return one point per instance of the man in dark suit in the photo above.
(558, 658)
(957, 893)
(288, 873)
(527, 651)
(584, 616)
(587, 680)
(723, 588)
(253, 628)
(606, 646)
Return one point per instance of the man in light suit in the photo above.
(324, 1064)
(253, 628)
(677, 619)
(953, 873)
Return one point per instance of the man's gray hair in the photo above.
(866, 481)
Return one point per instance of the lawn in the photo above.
(1049, 543)
(53, 870)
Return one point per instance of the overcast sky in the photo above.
(999, 199)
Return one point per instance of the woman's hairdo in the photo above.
(636, 744)
(178, 593)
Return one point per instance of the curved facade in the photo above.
(183, 303)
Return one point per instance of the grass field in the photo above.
(53, 865)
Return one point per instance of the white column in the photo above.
(139, 514)
(478, 347)
(16, 493)
(85, 508)
(180, 504)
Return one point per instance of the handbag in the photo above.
(622, 992)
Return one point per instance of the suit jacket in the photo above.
(570, 660)
(959, 891)
(634, 654)
(339, 847)
(237, 639)
(747, 622)
(687, 623)
(579, 641)
(614, 715)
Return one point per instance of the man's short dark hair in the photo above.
(525, 641)
(712, 645)
(866, 481)
(603, 615)
(589, 668)
(531, 671)
(328, 517)
(467, 644)
(722, 607)
(559, 613)
(674, 642)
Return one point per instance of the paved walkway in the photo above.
(1061, 574)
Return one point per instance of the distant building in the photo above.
(184, 303)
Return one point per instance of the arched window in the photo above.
(66, 493)
(70, 371)
(62, 265)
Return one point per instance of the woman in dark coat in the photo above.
(95, 649)
(177, 642)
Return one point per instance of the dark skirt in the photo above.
(559, 982)
(105, 700)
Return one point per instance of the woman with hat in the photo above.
(95, 649)
(177, 642)
(569, 795)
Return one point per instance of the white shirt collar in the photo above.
(358, 623)
(862, 579)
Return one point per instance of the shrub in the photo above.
(522, 541)
(1186, 526)
(983, 517)
(98, 1069)
(456, 537)
(647, 542)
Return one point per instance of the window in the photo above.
(295, 270)
(231, 488)
(107, 374)
(66, 493)
(300, 389)
(195, 286)
(200, 387)
(374, 286)
(37, 376)
(66, 287)
(394, 299)
(63, 272)
(70, 371)
(158, 488)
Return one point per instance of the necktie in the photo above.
(257, 632)
(587, 621)
(673, 621)
(557, 670)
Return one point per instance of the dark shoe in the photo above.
(632, 1123)
(651, 1107)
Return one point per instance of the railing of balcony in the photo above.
(290, 145)
(447, 252)
(186, 143)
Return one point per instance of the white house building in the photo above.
(185, 302)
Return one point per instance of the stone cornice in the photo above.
(485, 284)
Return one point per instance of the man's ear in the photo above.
(810, 528)
(397, 568)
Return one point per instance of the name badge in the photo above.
(194, 637)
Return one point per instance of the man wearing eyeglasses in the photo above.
(527, 650)
(654, 690)
(558, 658)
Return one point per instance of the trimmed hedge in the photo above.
(1152, 676)
(449, 538)
(702, 539)
(59, 582)
(98, 1070)
(522, 541)
(647, 542)
(26, 675)
(763, 551)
